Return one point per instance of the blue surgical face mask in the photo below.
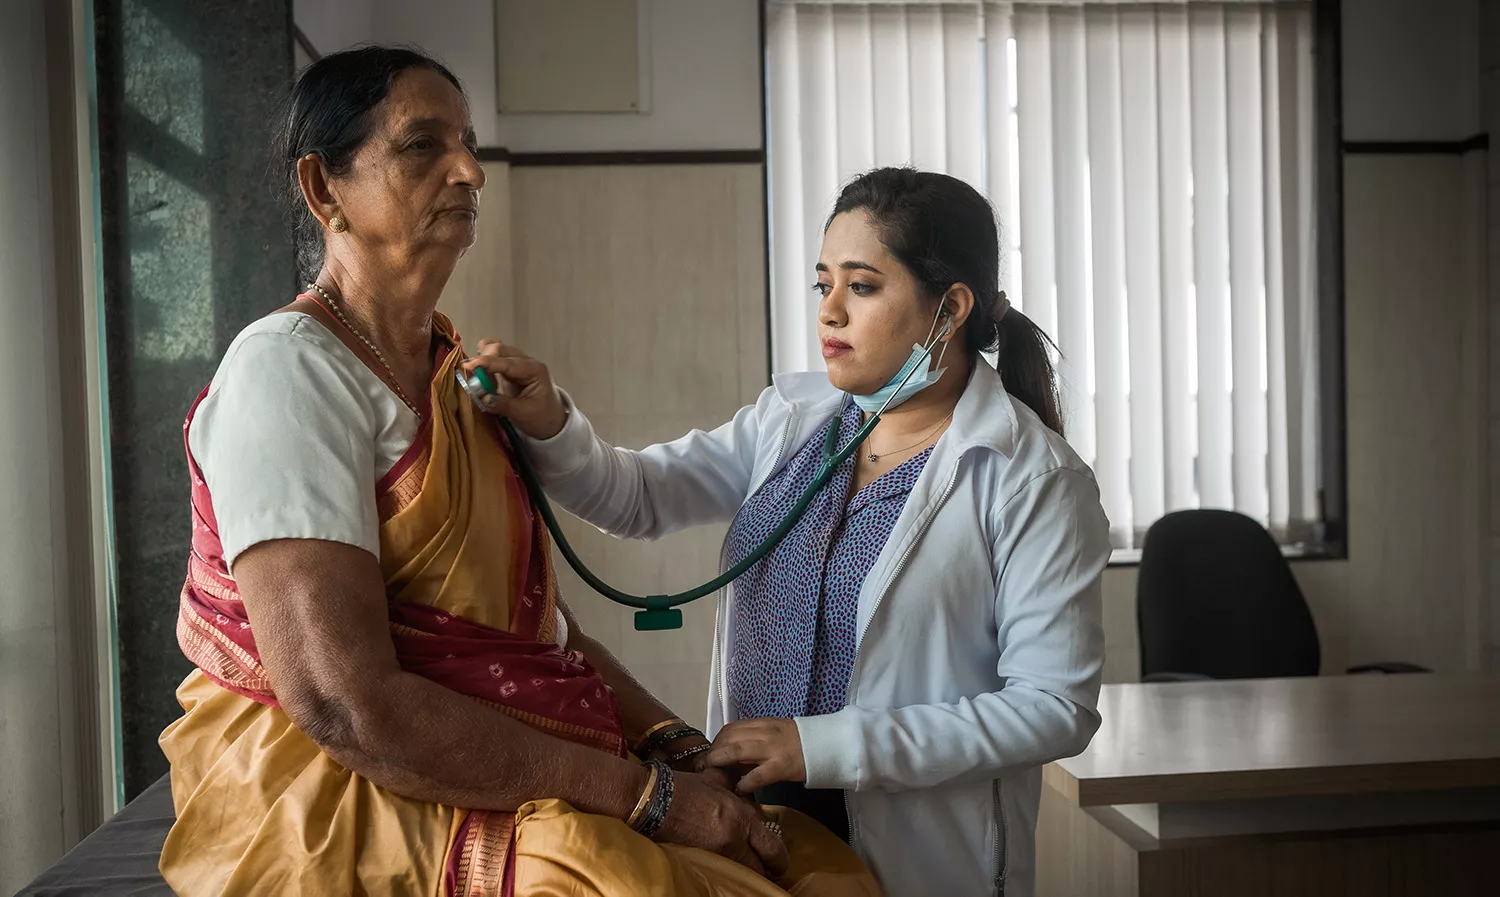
(894, 391)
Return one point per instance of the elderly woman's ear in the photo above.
(312, 176)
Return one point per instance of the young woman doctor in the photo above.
(902, 665)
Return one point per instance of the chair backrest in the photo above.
(1216, 597)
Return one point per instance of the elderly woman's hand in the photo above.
(711, 817)
(527, 397)
(766, 750)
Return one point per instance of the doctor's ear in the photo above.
(957, 305)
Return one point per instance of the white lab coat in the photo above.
(981, 640)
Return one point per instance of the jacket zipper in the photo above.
(1002, 843)
(890, 581)
(721, 606)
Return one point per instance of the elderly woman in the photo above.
(390, 695)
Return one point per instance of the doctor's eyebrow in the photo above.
(851, 266)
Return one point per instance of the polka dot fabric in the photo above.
(796, 610)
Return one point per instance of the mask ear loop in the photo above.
(937, 365)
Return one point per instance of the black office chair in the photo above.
(1216, 599)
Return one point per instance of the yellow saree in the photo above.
(262, 810)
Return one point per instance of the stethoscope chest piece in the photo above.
(478, 386)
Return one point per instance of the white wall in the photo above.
(1411, 69)
(702, 76)
(335, 24)
(33, 778)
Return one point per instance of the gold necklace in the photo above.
(338, 312)
(874, 457)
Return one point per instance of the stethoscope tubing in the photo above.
(833, 458)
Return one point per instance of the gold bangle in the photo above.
(640, 805)
(646, 736)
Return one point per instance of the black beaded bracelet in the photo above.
(693, 751)
(655, 814)
(664, 737)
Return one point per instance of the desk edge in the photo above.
(1427, 775)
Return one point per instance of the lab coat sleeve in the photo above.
(699, 479)
(1050, 552)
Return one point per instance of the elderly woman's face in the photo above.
(414, 186)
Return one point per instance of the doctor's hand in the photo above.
(527, 396)
(769, 749)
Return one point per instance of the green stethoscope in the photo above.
(660, 612)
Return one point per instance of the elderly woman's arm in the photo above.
(639, 709)
(318, 609)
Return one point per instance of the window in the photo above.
(1152, 165)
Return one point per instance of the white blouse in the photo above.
(294, 434)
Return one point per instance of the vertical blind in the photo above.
(1151, 164)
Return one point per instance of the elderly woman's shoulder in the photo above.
(286, 343)
(287, 373)
(292, 325)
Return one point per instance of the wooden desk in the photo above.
(1358, 785)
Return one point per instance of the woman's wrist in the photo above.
(666, 738)
(636, 782)
(655, 731)
(650, 811)
(684, 754)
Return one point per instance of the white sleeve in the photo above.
(286, 442)
(1052, 548)
(699, 479)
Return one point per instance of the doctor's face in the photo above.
(872, 307)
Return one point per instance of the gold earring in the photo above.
(337, 224)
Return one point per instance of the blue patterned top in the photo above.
(796, 610)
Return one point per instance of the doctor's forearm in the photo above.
(928, 745)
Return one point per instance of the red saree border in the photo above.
(547, 629)
(481, 863)
(607, 742)
(217, 655)
(399, 491)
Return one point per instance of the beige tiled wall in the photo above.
(1416, 365)
(481, 296)
(643, 288)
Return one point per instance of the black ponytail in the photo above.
(944, 232)
(1025, 365)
